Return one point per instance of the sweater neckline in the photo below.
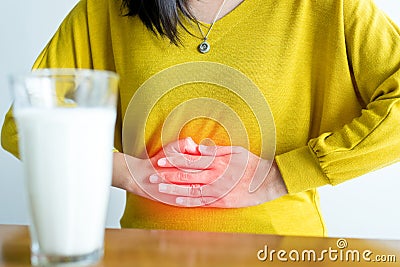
(233, 13)
(228, 22)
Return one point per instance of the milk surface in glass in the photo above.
(67, 155)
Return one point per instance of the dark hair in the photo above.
(160, 16)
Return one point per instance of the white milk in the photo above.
(67, 156)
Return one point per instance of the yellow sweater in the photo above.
(329, 69)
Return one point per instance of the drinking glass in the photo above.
(65, 120)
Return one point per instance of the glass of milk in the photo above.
(65, 120)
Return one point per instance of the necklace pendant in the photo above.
(204, 47)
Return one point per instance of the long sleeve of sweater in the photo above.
(372, 140)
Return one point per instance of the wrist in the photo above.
(276, 186)
(122, 175)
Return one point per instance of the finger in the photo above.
(193, 190)
(156, 179)
(184, 146)
(219, 150)
(188, 146)
(186, 162)
(187, 177)
(194, 202)
(150, 191)
(180, 190)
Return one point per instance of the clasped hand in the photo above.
(186, 174)
(216, 176)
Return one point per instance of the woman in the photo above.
(330, 71)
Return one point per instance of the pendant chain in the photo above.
(204, 47)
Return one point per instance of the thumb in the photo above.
(181, 146)
(189, 146)
(208, 150)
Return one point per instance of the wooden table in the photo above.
(132, 247)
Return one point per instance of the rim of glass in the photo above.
(66, 72)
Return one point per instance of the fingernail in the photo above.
(179, 200)
(162, 188)
(162, 162)
(191, 141)
(154, 178)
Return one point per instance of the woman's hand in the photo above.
(134, 174)
(224, 176)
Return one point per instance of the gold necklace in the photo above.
(204, 46)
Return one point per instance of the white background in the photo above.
(365, 207)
